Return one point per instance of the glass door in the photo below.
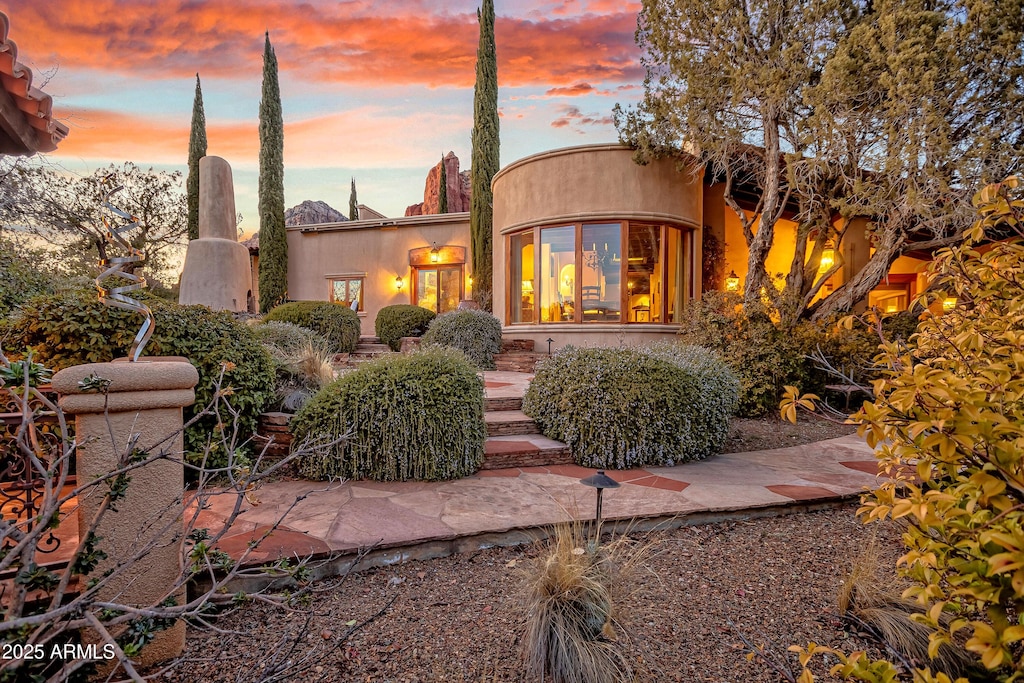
(439, 289)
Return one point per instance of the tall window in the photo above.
(345, 290)
(439, 289)
(600, 273)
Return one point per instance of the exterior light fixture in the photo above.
(600, 481)
(550, 341)
(435, 253)
(732, 282)
(399, 283)
(949, 303)
(828, 259)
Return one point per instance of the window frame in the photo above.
(347, 279)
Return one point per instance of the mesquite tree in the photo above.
(273, 238)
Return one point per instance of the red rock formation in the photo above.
(458, 189)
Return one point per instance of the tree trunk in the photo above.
(857, 288)
(761, 243)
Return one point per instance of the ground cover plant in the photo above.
(74, 327)
(336, 323)
(414, 416)
(474, 332)
(947, 423)
(633, 407)
(401, 320)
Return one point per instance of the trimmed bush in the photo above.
(414, 416)
(624, 408)
(73, 328)
(475, 333)
(401, 320)
(283, 339)
(19, 281)
(336, 323)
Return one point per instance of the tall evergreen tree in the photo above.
(273, 241)
(442, 196)
(196, 151)
(353, 203)
(485, 151)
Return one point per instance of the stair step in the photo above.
(372, 348)
(503, 403)
(509, 423)
(503, 452)
(510, 345)
(369, 340)
(518, 361)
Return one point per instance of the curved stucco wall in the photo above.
(595, 182)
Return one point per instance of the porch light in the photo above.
(399, 283)
(600, 481)
(732, 282)
(828, 259)
(949, 303)
(435, 253)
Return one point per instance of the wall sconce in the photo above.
(435, 253)
(732, 282)
(828, 259)
(399, 283)
(949, 303)
(469, 281)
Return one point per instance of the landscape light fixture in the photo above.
(732, 282)
(550, 341)
(435, 253)
(600, 481)
(399, 283)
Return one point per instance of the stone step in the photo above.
(518, 361)
(509, 423)
(511, 345)
(372, 348)
(504, 452)
(503, 403)
(369, 340)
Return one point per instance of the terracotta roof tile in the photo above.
(35, 106)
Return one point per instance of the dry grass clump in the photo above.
(574, 601)
(872, 600)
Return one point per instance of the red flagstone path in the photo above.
(417, 520)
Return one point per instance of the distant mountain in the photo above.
(311, 213)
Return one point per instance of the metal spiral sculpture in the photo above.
(116, 267)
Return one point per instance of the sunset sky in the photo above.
(374, 90)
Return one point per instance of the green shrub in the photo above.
(623, 408)
(336, 323)
(283, 339)
(402, 320)
(19, 281)
(302, 362)
(415, 416)
(75, 328)
(476, 333)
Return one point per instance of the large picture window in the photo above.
(609, 272)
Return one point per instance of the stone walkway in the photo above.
(418, 520)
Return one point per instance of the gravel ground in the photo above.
(460, 618)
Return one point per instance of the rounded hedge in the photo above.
(476, 333)
(401, 320)
(413, 416)
(625, 408)
(73, 328)
(336, 323)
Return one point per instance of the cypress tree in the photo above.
(485, 151)
(442, 197)
(353, 203)
(273, 240)
(196, 151)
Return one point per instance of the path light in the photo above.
(600, 481)
(550, 341)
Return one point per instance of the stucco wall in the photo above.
(596, 182)
(376, 250)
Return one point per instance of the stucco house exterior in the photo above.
(589, 248)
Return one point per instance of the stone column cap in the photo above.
(142, 375)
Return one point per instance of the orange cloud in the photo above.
(571, 91)
(573, 117)
(344, 42)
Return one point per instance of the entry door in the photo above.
(439, 289)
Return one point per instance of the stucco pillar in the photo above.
(144, 402)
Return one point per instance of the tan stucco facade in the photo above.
(593, 183)
(377, 252)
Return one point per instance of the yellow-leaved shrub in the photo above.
(947, 425)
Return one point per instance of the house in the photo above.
(589, 248)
